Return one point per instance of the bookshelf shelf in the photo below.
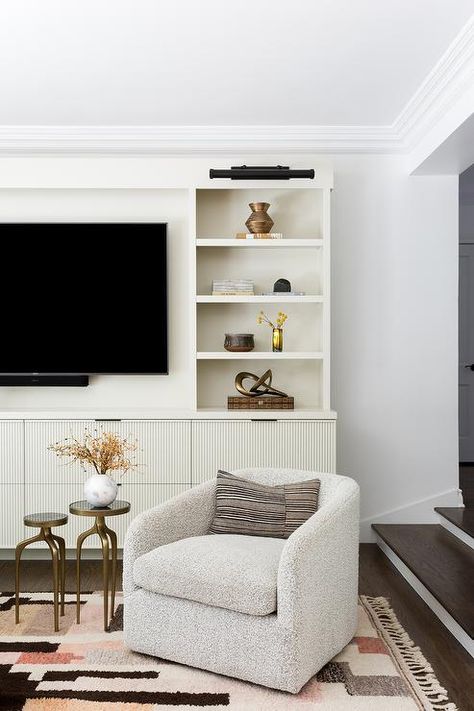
(259, 299)
(302, 215)
(258, 243)
(259, 355)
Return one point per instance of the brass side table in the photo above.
(45, 522)
(108, 540)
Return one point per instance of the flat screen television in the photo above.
(80, 299)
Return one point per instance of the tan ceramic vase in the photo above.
(259, 221)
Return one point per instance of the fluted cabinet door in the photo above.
(228, 445)
(11, 515)
(39, 497)
(163, 454)
(43, 466)
(11, 452)
(11, 482)
(164, 449)
(308, 445)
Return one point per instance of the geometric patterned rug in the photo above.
(83, 668)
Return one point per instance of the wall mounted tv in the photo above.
(80, 299)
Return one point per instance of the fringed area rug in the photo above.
(82, 668)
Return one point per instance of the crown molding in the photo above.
(452, 74)
(196, 139)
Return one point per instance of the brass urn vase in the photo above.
(259, 221)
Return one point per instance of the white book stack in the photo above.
(232, 287)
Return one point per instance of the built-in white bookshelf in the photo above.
(301, 212)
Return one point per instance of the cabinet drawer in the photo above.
(11, 515)
(164, 450)
(307, 444)
(228, 445)
(43, 466)
(301, 444)
(11, 452)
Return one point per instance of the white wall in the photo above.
(394, 336)
(394, 320)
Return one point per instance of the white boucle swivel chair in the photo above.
(269, 611)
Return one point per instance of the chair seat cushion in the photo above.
(231, 571)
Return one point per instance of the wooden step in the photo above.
(459, 521)
(442, 564)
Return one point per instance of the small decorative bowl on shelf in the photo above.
(239, 342)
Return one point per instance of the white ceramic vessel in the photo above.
(100, 490)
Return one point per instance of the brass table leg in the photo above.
(62, 568)
(18, 551)
(80, 540)
(108, 540)
(55, 556)
(57, 547)
(101, 530)
(113, 545)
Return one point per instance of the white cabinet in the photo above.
(228, 445)
(174, 454)
(11, 515)
(11, 482)
(11, 451)
(164, 449)
(308, 444)
(43, 466)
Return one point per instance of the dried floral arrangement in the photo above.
(105, 451)
(280, 320)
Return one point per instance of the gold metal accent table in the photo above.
(108, 539)
(45, 521)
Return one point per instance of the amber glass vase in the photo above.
(277, 340)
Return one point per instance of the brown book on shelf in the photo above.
(259, 235)
(266, 402)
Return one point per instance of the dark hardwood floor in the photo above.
(451, 663)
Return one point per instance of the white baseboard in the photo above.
(448, 621)
(419, 511)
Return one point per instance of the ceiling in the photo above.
(211, 62)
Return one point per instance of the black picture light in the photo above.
(260, 172)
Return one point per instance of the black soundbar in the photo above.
(75, 381)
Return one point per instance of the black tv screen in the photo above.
(83, 299)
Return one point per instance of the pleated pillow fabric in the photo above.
(248, 508)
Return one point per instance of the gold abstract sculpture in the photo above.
(262, 385)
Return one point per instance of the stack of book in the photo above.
(232, 287)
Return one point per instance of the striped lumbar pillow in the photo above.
(248, 508)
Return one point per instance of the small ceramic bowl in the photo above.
(239, 342)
